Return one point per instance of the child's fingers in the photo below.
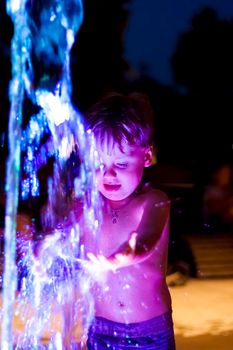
(99, 261)
(92, 258)
(121, 258)
(133, 240)
(104, 261)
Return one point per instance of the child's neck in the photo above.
(116, 208)
(121, 203)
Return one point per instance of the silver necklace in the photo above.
(114, 212)
(114, 215)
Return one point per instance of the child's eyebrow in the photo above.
(125, 154)
(128, 153)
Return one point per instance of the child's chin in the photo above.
(114, 196)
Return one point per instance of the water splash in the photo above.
(13, 167)
(55, 282)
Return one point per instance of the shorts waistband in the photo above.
(101, 325)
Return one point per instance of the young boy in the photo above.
(133, 305)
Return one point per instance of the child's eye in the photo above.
(122, 165)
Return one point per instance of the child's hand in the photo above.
(123, 258)
(100, 262)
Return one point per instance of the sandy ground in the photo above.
(203, 314)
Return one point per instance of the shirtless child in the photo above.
(133, 306)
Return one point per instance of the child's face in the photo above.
(121, 168)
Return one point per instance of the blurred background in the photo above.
(180, 53)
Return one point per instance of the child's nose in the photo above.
(109, 171)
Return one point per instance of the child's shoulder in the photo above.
(154, 196)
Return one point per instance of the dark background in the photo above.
(155, 26)
(193, 110)
(190, 87)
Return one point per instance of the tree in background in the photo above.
(202, 62)
(202, 66)
(98, 63)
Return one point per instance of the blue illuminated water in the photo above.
(55, 284)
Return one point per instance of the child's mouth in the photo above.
(110, 188)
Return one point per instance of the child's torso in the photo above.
(137, 292)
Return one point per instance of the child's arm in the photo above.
(141, 243)
(154, 220)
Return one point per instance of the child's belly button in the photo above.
(120, 304)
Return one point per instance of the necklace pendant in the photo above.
(114, 216)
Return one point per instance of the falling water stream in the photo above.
(54, 282)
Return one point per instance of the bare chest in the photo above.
(117, 227)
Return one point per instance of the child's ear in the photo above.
(148, 157)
